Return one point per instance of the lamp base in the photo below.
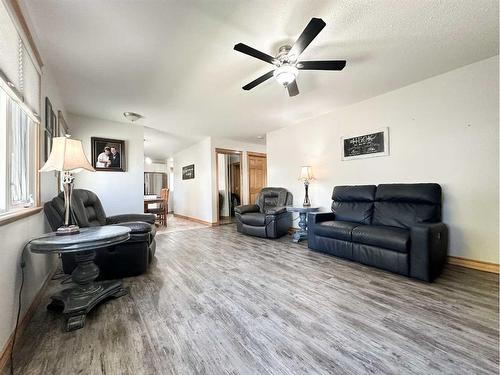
(67, 230)
(307, 203)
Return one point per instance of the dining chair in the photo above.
(161, 210)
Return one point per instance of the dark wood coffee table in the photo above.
(76, 302)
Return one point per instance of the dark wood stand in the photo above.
(77, 301)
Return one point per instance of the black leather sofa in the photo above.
(267, 218)
(130, 258)
(396, 227)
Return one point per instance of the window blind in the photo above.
(16, 63)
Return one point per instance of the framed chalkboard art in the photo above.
(188, 172)
(368, 145)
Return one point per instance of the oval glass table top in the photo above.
(302, 208)
(88, 239)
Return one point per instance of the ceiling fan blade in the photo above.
(258, 81)
(292, 88)
(321, 65)
(310, 32)
(247, 50)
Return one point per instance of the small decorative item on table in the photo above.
(76, 302)
(306, 175)
(303, 211)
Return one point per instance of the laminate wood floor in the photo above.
(217, 302)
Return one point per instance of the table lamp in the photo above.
(306, 175)
(67, 156)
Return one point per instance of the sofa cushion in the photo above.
(340, 230)
(353, 203)
(254, 219)
(403, 205)
(392, 238)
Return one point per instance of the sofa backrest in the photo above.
(354, 203)
(403, 205)
(271, 197)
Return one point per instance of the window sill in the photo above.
(17, 215)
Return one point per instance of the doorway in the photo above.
(229, 184)
(257, 174)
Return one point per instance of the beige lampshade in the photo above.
(67, 155)
(306, 173)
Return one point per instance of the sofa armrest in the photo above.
(429, 247)
(117, 219)
(318, 217)
(275, 210)
(246, 208)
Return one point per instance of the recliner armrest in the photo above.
(318, 217)
(139, 230)
(275, 210)
(246, 208)
(117, 219)
(429, 246)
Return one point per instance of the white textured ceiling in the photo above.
(173, 61)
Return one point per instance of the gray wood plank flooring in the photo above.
(217, 302)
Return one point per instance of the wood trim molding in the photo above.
(23, 323)
(195, 220)
(20, 214)
(474, 264)
(24, 25)
(257, 154)
(227, 151)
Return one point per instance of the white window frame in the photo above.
(15, 211)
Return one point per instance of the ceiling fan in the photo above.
(287, 59)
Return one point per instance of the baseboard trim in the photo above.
(195, 220)
(474, 264)
(23, 323)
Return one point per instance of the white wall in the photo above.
(193, 197)
(119, 192)
(15, 235)
(156, 167)
(443, 129)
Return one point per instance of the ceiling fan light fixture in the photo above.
(132, 116)
(285, 74)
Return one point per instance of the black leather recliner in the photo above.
(267, 218)
(396, 227)
(126, 259)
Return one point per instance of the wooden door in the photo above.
(257, 174)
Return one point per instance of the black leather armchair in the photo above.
(130, 258)
(267, 218)
(396, 227)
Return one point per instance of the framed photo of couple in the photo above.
(108, 154)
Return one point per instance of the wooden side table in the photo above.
(76, 302)
(303, 211)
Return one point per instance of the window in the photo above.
(19, 124)
(18, 150)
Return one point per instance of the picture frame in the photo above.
(369, 144)
(188, 172)
(108, 155)
(50, 127)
